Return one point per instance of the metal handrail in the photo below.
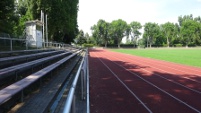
(69, 100)
(26, 40)
(88, 102)
(12, 38)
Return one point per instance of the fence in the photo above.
(10, 44)
(82, 76)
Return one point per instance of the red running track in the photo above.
(121, 83)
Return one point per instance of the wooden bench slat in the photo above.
(24, 51)
(28, 64)
(26, 56)
(9, 91)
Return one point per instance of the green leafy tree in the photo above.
(7, 16)
(151, 32)
(65, 21)
(168, 30)
(22, 8)
(188, 30)
(62, 17)
(160, 39)
(181, 19)
(86, 35)
(103, 27)
(128, 32)
(197, 35)
(91, 40)
(118, 30)
(95, 35)
(177, 34)
(80, 38)
(135, 33)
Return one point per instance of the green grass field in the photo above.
(187, 56)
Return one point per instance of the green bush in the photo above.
(88, 45)
(121, 45)
(178, 45)
(165, 45)
(192, 44)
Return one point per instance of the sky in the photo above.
(158, 11)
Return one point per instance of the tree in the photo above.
(198, 19)
(184, 28)
(86, 35)
(188, 29)
(65, 21)
(151, 31)
(62, 17)
(7, 16)
(135, 33)
(118, 30)
(184, 18)
(159, 39)
(197, 36)
(177, 34)
(95, 35)
(22, 9)
(103, 28)
(80, 38)
(168, 30)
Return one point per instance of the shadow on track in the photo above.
(169, 84)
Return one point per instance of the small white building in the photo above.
(34, 33)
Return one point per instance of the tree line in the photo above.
(187, 32)
(62, 17)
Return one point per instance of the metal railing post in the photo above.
(83, 72)
(82, 84)
(73, 108)
(26, 44)
(11, 44)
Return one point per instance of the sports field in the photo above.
(187, 56)
(122, 83)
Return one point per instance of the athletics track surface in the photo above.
(121, 83)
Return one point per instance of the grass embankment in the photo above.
(187, 56)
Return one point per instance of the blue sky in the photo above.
(159, 11)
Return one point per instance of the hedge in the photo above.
(88, 45)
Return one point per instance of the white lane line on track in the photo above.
(125, 86)
(179, 65)
(196, 91)
(159, 88)
(170, 72)
(166, 78)
(172, 63)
